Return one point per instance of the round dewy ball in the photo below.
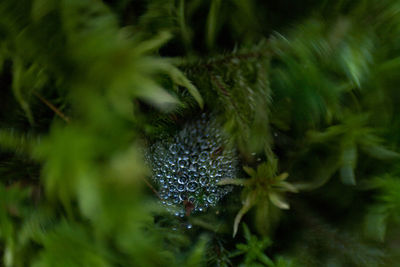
(188, 166)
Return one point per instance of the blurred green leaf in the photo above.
(16, 142)
(179, 78)
(386, 208)
(18, 89)
(212, 25)
(70, 245)
(262, 187)
(253, 249)
(41, 8)
(197, 256)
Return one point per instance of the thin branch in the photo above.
(228, 58)
(225, 92)
(67, 120)
(219, 85)
(151, 187)
(224, 60)
(52, 107)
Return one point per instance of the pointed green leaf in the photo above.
(18, 90)
(347, 174)
(247, 204)
(288, 187)
(250, 171)
(180, 79)
(156, 95)
(41, 8)
(153, 44)
(348, 160)
(380, 152)
(197, 256)
(212, 23)
(277, 200)
(375, 226)
(247, 233)
(231, 181)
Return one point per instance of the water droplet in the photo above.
(194, 158)
(214, 164)
(211, 198)
(203, 156)
(182, 196)
(175, 200)
(173, 188)
(202, 170)
(192, 167)
(164, 169)
(203, 180)
(182, 179)
(193, 175)
(191, 199)
(180, 188)
(191, 186)
(182, 163)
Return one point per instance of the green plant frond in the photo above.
(11, 140)
(386, 207)
(346, 140)
(261, 188)
(179, 78)
(305, 98)
(196, 258)
(253, 249)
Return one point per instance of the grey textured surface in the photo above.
(188, 166)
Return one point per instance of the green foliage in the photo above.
(87, 86)
(262, 189)
(352, 134)
(239, 89)
(12, 207)
(254, 250)
(387, 207)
